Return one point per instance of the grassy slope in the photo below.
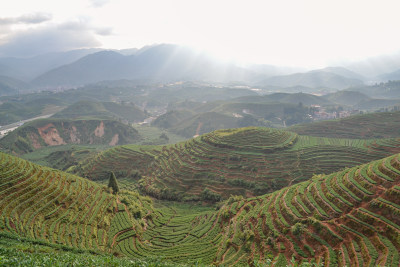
(233, 162)
(375, 125)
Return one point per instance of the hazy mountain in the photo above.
(392, 76)
(10, 86)
(160, 63)
(376, 66)
(305, 99)
(348, 98)
(28, 68)
(342, 72)
(388, 90)
(103, 65)
(313, 79)
(270, 70)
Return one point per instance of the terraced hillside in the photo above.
(374, 125)
(246, 161)
(348, 218)
(53, 132)
(42, 203)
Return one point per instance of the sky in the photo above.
(306, 33)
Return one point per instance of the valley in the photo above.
(166, 156)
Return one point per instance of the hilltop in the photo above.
(246, 161)
(53, 132)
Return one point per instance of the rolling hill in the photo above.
(295, 98)
(392, 76)
(312, 79)
(342, 219)
(54, 207)
(346, 97)
(235, 113)
(11, 86)
(52, 132)
(374, 125)
(14, 111)
(110, 110)
(347, 218)
(246, 161)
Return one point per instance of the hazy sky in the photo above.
(284, 32)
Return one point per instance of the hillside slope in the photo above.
(246, 161)
(348, 218)
(312, 79)
(53, 132)
(43, 203)
(374, 125)
(111, 110)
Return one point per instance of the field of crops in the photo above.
(350, 218)
(42, 203)
(374, 125)
(347, 218)
(248, 161)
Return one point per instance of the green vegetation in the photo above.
(64, 156)
(11, 111)
(337, 219)
(17, 251)
(247, 161)
(113, 184)
(109, 110)
(374, 125)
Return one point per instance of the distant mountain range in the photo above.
(160, 63)
(326, 78)
(9, 86)
(169, 63)
(27, 69)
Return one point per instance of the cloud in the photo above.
(98, 3)
(104, 31)
(49, 38)
(32, 18)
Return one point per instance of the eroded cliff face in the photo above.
(99, 131)
(54, 132)
(114, 140)
(50, 135)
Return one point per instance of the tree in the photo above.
(113, 184)
(164, 136)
